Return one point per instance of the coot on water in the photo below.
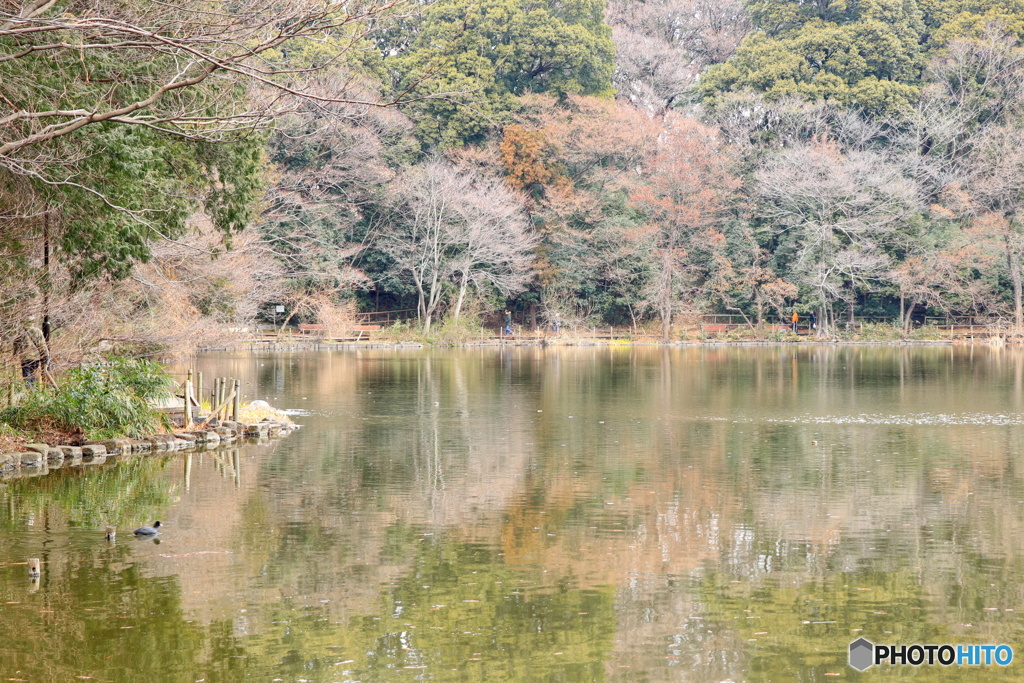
(148, 530)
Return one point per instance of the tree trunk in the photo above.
(907, 317)
(461, 297)
(1015, 278)
(287, 320)
(421, 301)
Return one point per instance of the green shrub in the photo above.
(401, 331)
(444, 332)
(929, 332)
(106, 401)
(466, 329)
(879, 332)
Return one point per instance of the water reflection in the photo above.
(533, 514)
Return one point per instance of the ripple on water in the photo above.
(298, 412)
(906, 419)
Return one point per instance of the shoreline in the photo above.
(312, 345)
(38, 459)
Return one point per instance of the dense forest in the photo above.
(172, 170)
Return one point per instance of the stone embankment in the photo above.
(40, 458)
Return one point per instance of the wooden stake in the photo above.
(199, 387)
(225, 387)
(221, 414)
(218, 409)
(34, 566)
(188, 401)
(238, 400)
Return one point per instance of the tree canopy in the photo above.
(488, 52)
(618, 162)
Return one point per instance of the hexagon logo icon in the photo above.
(862, 654)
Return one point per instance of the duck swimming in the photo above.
(148, 530)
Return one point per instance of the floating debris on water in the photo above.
(908, 419)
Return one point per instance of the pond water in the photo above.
(528, 514)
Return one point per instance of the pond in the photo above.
(532, 514)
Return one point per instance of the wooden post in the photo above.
(225, 391)
(188, 402)
(238, 400)
(199, 387)
(189, 387)
(228, 396)
(215, 397)
(220, 396)
(34, 566)
(221, 408)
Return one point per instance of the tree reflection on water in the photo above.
(530, 514)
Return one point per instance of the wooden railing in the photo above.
(386, 317)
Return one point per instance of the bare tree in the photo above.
(446, 227)
(493, 242)
(91, 87)
(112, 113)
(974, 87)
(663, 45)
(162, 52)
(932, 274)
(687, 186)
(328, 170)
(998, 193)
(835, 213)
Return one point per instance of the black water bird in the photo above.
(148, 530)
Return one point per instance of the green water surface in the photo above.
(530, 514)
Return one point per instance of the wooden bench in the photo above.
(360, 330)
(310, 328)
